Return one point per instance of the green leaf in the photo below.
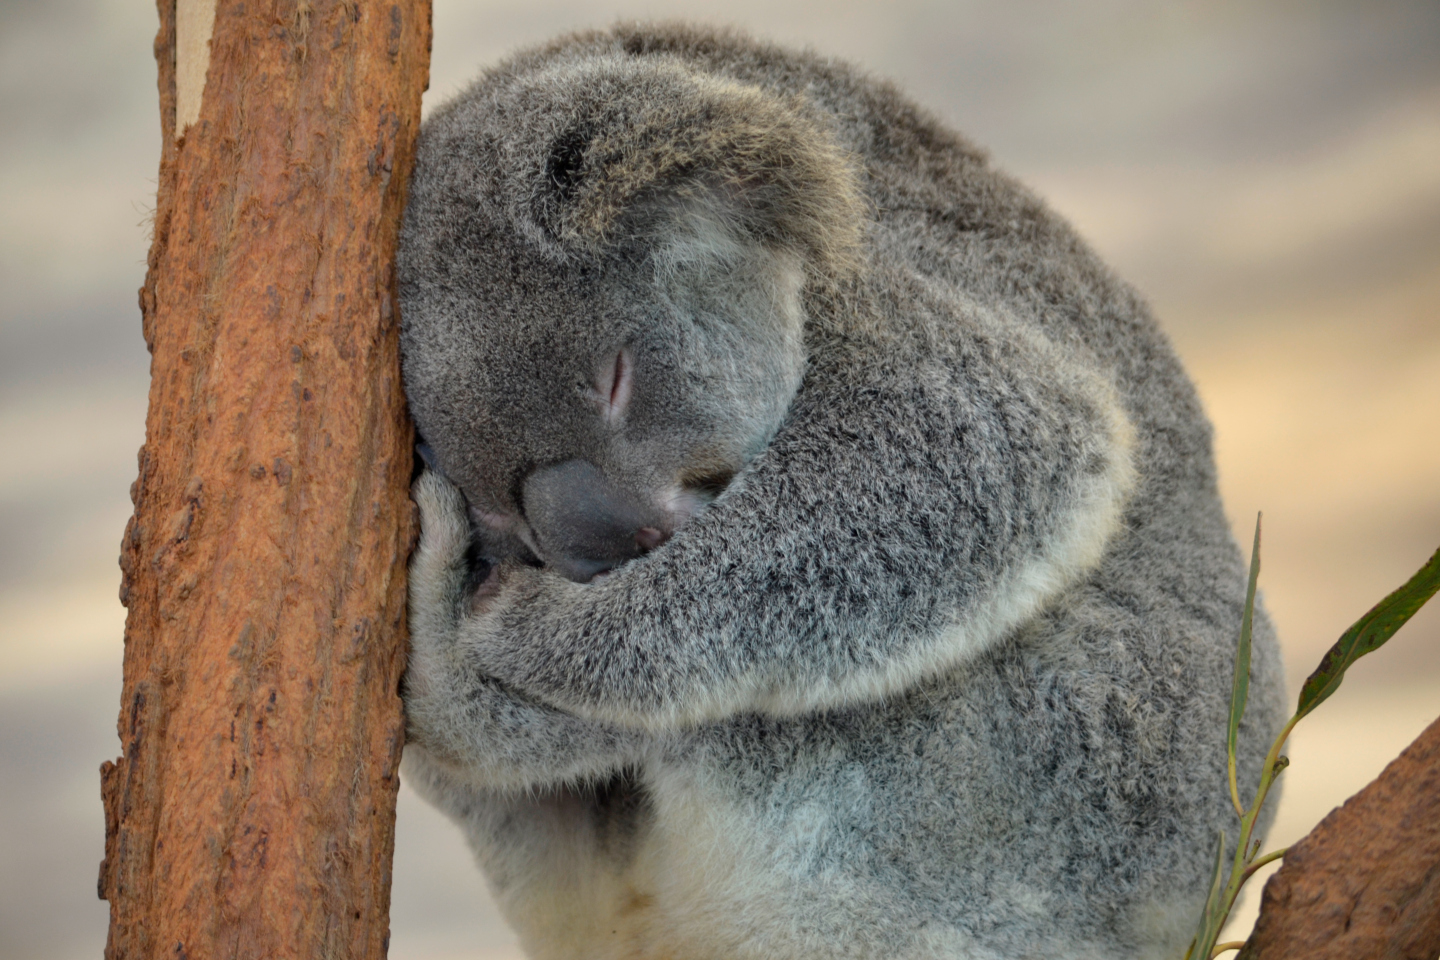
(1369, 633)
(1205, 937)
(1240, 689)
(1212, 919)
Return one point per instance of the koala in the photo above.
(820, 551)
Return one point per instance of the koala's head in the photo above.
(603, 270)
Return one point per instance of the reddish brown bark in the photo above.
(1365, 884)
(252, 814)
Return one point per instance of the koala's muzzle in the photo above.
(584, 524)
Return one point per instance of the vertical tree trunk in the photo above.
(1365, 884)
(252, 814)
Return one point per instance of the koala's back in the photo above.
(1055, 796)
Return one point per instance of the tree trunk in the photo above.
(252, 814)
(1365, 884)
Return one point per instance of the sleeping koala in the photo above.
(822, 554)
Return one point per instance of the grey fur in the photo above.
(943, 671)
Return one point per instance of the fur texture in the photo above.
(926, 650)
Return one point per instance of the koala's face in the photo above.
(588, 408)
(600, 275)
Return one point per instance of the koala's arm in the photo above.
(918, 504)
(468, 722)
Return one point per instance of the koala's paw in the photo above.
(438, 568)
(444, 529)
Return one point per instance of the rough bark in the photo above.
(252, 813)
(1365, 883)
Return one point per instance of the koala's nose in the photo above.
(584, 523)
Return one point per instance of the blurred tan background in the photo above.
(1268, 174)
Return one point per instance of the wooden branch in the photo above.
(1365, 884)
(252, 814)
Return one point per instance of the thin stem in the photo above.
(1234, 787)
(1267, 776)
(1270, 857)
(1239, 870)
(1227, 945)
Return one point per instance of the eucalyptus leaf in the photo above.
(1369, 633)
(1240, 690)
(1213, 916)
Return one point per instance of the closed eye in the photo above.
(709, 485)
(615, 385)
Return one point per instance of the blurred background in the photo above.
(1267, 173)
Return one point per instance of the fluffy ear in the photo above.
(649, 153)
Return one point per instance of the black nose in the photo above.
(585, 524)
